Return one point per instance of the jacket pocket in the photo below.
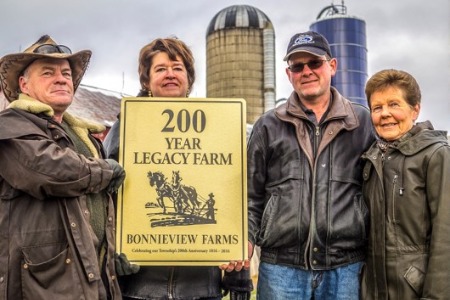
(267, 220)
(7, 192)
(362, 213)
(55, 278)
(415, 278)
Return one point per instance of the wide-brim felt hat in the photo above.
(13, 65)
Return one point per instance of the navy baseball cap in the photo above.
(309, 42)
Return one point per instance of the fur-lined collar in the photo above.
(80, 126)
(34, 106)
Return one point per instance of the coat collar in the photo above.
(341, 109)
(421, 136)
(34, 106)
(81, 127)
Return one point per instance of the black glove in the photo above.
(117, 178)
(238, 284)
(240, 295)
(123, 265)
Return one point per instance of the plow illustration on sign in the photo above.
(178, 204)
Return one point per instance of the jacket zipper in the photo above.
(393, 197)
(171, 285)
(316, 143)
(309, 253)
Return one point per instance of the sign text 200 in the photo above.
(183, 120)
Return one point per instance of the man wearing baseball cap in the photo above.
(57, 215)
(304, 183)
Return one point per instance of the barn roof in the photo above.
(96, 104)
(91, 103)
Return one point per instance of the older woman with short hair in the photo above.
(407, 190)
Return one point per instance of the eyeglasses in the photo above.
(312, 64)
(50, 48)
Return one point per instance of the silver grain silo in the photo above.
(240, 58)
(347, 38)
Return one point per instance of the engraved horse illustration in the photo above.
(163, 188)
(185, 196)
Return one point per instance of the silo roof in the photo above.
(239, 16)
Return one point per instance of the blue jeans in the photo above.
(276, 282)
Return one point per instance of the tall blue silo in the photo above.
(347, 38)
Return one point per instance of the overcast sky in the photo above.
(411, 35)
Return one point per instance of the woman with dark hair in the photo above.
(170, 51)
(406, 188)
(166, 69)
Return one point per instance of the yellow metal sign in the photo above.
(184, 199)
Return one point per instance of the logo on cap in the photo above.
(303, 39)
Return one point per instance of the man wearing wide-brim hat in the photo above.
(56, 212)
